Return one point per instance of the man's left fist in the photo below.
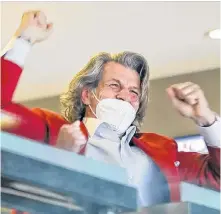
(189, 100)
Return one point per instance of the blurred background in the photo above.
(171, 35)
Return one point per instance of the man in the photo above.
(102, 112)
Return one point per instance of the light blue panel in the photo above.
(62, 158)
(199, 195)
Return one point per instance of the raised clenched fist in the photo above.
(72, 137)
(34, 27)
(190, 101)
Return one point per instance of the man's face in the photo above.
(116, 82)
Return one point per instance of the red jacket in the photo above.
(36, 123)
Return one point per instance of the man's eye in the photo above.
(135, 92)
(114, 85)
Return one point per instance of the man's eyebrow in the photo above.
(134, 87)
(118, 81)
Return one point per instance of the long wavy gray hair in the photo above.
(73, 108)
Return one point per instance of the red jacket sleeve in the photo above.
(201, 169)
(34, 124)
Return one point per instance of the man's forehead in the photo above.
(114, 66)
(116, 69)
(116, 72)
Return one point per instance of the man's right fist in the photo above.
(72, 137)
(34, 27)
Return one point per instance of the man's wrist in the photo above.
(205, 121)
(25, 39)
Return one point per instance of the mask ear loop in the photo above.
(90, 105)
(92, 111)
(95, 96)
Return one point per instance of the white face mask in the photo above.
(117, 113)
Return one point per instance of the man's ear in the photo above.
(86, 96)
